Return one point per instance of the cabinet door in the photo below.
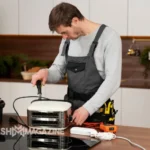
(139, 17)
(55, 91)
(112, 13)
(34, 16)
(135, 107)
(22, 90)
(8, 17)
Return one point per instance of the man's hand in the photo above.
(40, 75)
(80, 115)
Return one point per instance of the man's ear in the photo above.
(75, 21)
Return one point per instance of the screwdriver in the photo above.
(38, 84)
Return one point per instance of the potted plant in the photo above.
(145, 60)
(11, 65)
(33, 66)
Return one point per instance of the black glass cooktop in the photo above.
(42, 141)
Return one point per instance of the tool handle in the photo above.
(38, 84)
(2, 103)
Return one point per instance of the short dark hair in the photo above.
(62, 14)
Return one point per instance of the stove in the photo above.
(46, 142)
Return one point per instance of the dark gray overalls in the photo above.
(84, 78)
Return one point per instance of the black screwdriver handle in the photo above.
(2, 103)
(38, 84)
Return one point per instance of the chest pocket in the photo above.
(76, 67)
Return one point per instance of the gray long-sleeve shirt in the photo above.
(108, 59)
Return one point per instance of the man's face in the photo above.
(68, 32)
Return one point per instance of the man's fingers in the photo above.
(35, 77)
(78, 121)
(73, 116)
(80, 115)
(76, 118)
(44, 81)
(40, 75)
(44, 74)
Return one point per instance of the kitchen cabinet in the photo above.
(33, 16)
(135, 107)
(55, 91)
(138, 18)
(21, 90)
(8, 16)
(9, 91)
(30, 17)
(112, 13)
(132, 104)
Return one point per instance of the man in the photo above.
(91, 54)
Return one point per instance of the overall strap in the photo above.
(65, 49)
(95, 42)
